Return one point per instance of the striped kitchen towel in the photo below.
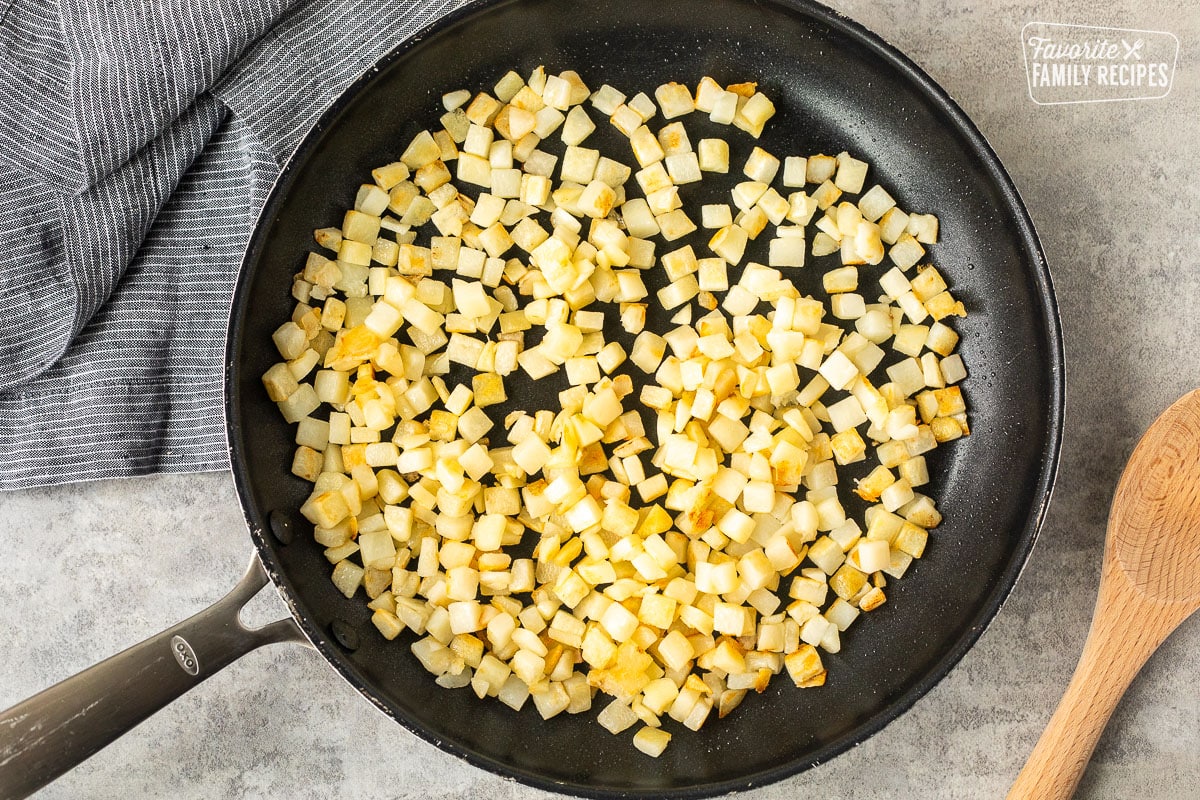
(138, 141)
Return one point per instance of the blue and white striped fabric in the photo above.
(138, 140)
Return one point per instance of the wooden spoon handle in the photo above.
(1057, 762)
(1125, 631)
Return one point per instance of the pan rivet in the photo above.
(345, 633)
(281, 526)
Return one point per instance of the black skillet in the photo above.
(837, 87)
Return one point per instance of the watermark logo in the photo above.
(1089, 64)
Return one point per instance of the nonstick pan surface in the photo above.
(837, 87)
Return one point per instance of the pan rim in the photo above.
(1025, 236)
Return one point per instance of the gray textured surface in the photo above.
(93, 568)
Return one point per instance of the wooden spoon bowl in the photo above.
(1149, 584)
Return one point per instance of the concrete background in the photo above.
(1112, 187)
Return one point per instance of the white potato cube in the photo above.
(654, 177)
(875, 202)
(471, 169)
(422, 150)
(675, 100)
(867, 245)
(892, 225)
(846, 413)
(643, 105)
(488, 209)
(557, 93)
(786, 252)
(923, 227)
(942, 339)
(913, 308)
(579, 89)
(753, 115)
(730, 243)
(825, 243)
(908, 376)
(820, 168)
(848, 305)
(506, 183)
(578, 126)
(454, 100)
(614, 173)
(626, 119)
(707, 92)
(646, 148)
(952, 369)
(724, 108)
(761, 166)
(906, 251)
(611, 356)
(774, 206)
(801, 208)
(579, 165)
(597, 199)
(894, 283)
(664, 200)
(826, 195)
(712, 274)
(535, 190)
(470, 298)
(747, 193)
(795, 170)
(851, 173)
(652, 741)
(539, 162)
(716, 216)
(639, 219)
(683, 168)
(678, 292)
(714, 155)
(547, 121)
(838, 370)
(606, 99)
(674, 139)
(479, 141)
(843, 279)
(514, 124)
(648, 351)
(508, 86)
(674, 225)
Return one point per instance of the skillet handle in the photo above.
(53, 731)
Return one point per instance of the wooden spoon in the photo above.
(1150, 582)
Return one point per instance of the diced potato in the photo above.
(706, 94)
(923, 227)
(280, 382)
(795, 169)
(761, 166)
(421, 150)
(606, 99)
(675, 100)
(851, 173)
(906, 252)
(347, 577)
(786, 252)
(724, 108)
(730, 243)
(657, 554)
(714, 155)
(820, 168)
(752, 117)
(651, 741)
(683, 168)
